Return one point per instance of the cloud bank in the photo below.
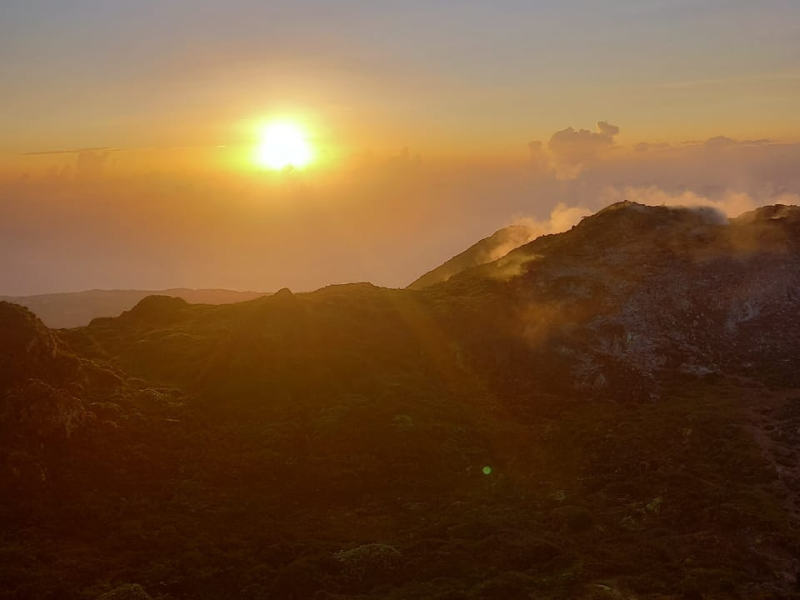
(86, 220)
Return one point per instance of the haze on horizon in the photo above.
(129, 129)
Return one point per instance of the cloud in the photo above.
(386, 219)
(510, 239)
(729, 203)
(716, 210)
(721, 162)
(643, 147)
(571, 151)
(538, 158)
(607, 129)
(76, 151)
(562, 218)
(91, 163)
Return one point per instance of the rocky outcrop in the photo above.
(41, 381)
(28, 349)
(155, 308)
(635, 293)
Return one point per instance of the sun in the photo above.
(282, 145)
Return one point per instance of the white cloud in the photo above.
(730, 203)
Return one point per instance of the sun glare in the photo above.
(283, 144)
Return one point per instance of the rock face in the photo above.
(40, 380)
(635, 293)
(26, 346)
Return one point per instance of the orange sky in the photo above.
(445, 78)
(129, 129)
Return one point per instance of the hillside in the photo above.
(486, 250)
(611, 412)
(76, 309)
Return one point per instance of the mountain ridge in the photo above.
(75, 309)
(486, 250)
(610, 412)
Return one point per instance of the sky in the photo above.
(127, 129)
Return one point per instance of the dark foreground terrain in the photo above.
(608, 413)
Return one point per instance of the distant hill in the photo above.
(486, 250)
(75, 309)
(610, 412)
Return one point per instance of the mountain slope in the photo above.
(495, 246)
(605, 413)
(663, 290)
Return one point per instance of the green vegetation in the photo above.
(472, 440)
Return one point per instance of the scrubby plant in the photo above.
(130, 591)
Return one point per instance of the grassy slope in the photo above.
(647, 499)
(332, 445)
(275, 434)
